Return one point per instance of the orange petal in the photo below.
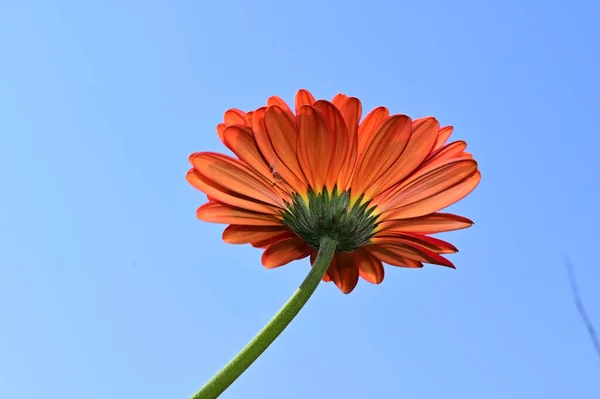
(446, 153)
(339, 99)
(382, 152)
(241, 234)
(333, 271)
(424, 183)
(269, 241)
(216, 212)
(443, 136)
(275, 100)
(263, 141)
(339, 131)
(392, 257)
(416, 252)
(368, 266)
(410, 251)
(415, 240)
(351, 110)
(234, 116)
(389, 197)
(323, 133)
(435, 191)
(235, 176)
(428, 224)
(438, 201)
(370, 125)
(248, 118)
(284, 251)
(240, 140)
(422, 138)
(315, 147)
(303, 97)
(343, 272)
(283, 135)
(220, 129)
(222, 194)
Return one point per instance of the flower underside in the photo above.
(393, 174)
(331, 215)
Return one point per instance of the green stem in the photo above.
(228, 374)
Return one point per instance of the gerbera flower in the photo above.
(374, 185)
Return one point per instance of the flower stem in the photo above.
(228, 374)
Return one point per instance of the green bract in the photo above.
(331, 216)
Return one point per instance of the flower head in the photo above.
(374, 185)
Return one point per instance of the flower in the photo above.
(376, 185)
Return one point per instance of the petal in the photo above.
(216, 212)
(429, 167)
(303, 97)
(370, 125)
(351, 110)
(428, 224)
(416, 240)
(422, 138)
(408, 251)
(446, 153)
(340, 139)
(284, 251)
(316, 147)
(443, 136)
(269, 241)
(369, 267)
(234, 116)
(392, 257)
(248, 118)
(259, 132)
(339, 99)
(283, 135)
(235, 176)
(382, 152)
(275, 100)
(223, 194)
(343, 272)
(240, 140)
(440, 200)
(263, 141)
(424, 185)
(242, 234)
(418, 253)
(333, 271)
(220, 129)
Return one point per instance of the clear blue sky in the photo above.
(111, 288)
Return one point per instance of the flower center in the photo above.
(330, 215)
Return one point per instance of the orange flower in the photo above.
(375, 185)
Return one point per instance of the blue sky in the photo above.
(111, 288)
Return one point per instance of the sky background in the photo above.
(111, 288)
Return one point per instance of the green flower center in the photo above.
(331, 216)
